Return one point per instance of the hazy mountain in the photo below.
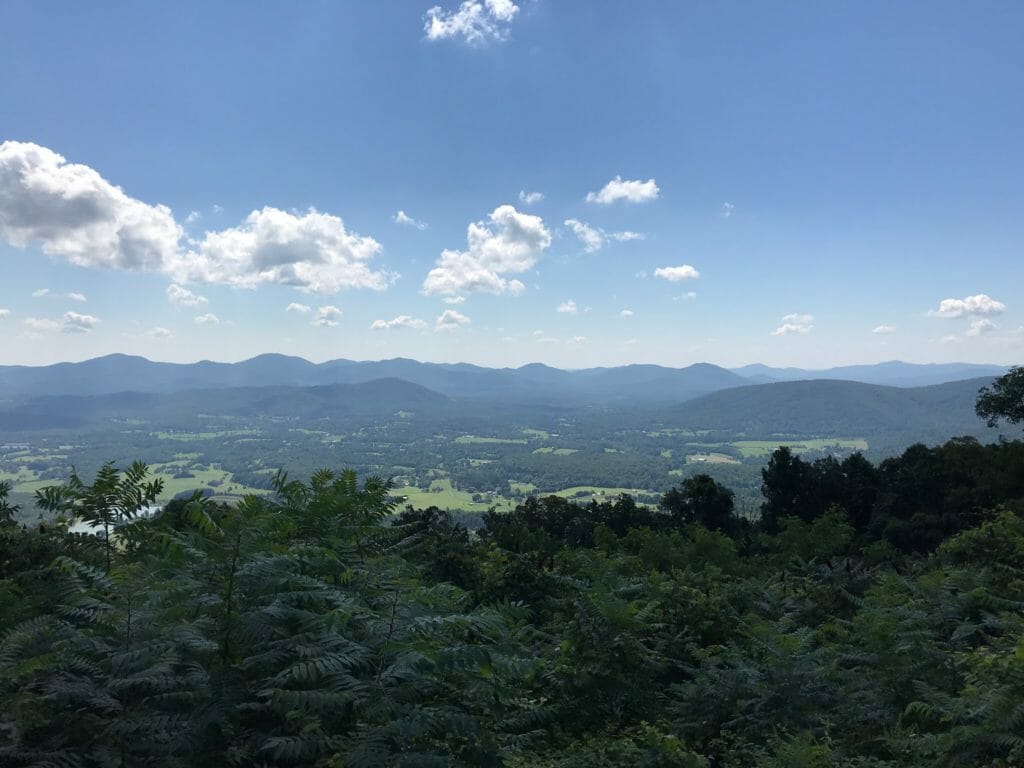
(383, 397)
(836, 408)
(533, 383)
(892, 373)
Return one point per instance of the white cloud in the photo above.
(979, 304)
(402, 321)
(475, 22)
(981, 325)
(183, 297)
(594, 238)
(208, 319)
(4, 313)
(591, 238)
(883, 330)
(547, 340)
(626, 313)
(567, 307)
(454, 300)
(675, 274)
(218, 209)
(77, 323)
(159, 333)
(727, 210)
(75, 296)
(450, 320)
(794, 323)
(327, 316)
(76, 214)
(577, 340)
(630, 191)
(311, 251)
(193, 217)
(40, 324)
(302, 309)
(688, 296)
(510, 244)
(530, 198)
(401, 217)
(40, 292)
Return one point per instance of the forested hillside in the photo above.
(871, 616)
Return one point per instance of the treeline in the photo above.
(871, 618)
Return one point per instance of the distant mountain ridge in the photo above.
(529, 383)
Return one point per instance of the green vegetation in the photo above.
(871, 618)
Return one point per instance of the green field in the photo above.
(587, 493)
(758, 448)
(557, 451)
(190, 436)
(474, 439)
(711, 458)
(443, 496)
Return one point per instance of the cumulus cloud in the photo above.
(530, 198)
(311, 251)
(979, 326)
(450, 319)
(74, 213)
(727, 210)
(510, 244)
(567, 307)
(208, 319)
(575, 340)
(455, 300)
(475, 22)
(193, 217)
(77, 323)
(626, 236)
(626, 313)
(327, 316)
(883, 330)
(75, 296)
(675, 274)
(402, 321)
(794, 323)
(630, 191)
(159, 333)
(183, 297)
(979, 304)
(302, 309)
(38, 293)
(4, 313)
(403, 218)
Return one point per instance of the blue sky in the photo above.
(804, 184)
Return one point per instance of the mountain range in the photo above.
(529, 383)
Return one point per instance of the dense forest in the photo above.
(872, 615)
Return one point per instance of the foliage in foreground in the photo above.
(315, 627)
